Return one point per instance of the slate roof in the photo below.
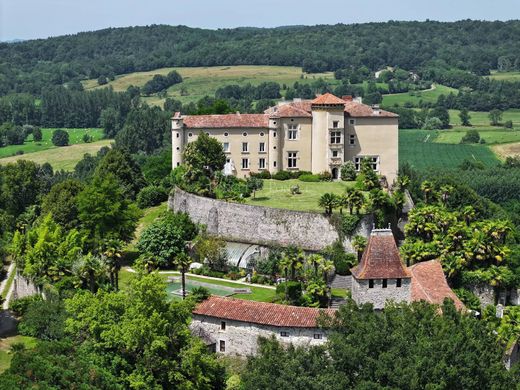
(381, 258)
(429, 284)
(260, 312)
(226, 121)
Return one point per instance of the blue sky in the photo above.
(25, 19)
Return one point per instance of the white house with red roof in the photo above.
(303, 135)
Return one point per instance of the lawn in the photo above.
(5, 347)
(204, 81)
(415, 97)
(277, 194)
(149, 216)
(420, 149)
(65, 157)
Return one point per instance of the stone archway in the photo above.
(335, 173)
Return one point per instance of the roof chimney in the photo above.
(376, 109)
(347, 98)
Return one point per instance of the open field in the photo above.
(420, 149)
(506, 150)
(65, 157)
(202, 81)
(510, 76)
(75, 137)
(277, 194)
(489, 134)
(415, 97)
(5, 348)
(481, 118)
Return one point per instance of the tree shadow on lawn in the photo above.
(260, 199)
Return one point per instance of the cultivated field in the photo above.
(277, 194)
(420, 149)
(415, 97)
(481, 118)
(65, 157)
(204, 81)
(75, 137)
(507, 150)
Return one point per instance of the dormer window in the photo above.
(335, 124)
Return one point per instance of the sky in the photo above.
(27, 19)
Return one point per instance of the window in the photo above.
(178, 148)
(222, 346)
(284, 334)
(207, 133)
(374, 162)
(190, 135)
(274, 133)
(261, 134)
(261, 147)
(225, 146)
(335, 124)
(245, 147)
(398, 282)
(385, 283)
(244, 134)
(226, 134)
(223, 325)
(245, 163)
(178, 164)
(274, 164)
(371, 283)
(291, 159)
(335, 153)
(352, 121)
(261, 163)
(352, 139)
(292, 133)
(318, 336)
(335, 137)
(178, 135)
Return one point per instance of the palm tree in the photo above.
(468, 213)
(183, 261)
(445, 192)
(378, 199)
(88, 268)
(427, 189)
(357, 200)
(403, 182)
(328, 201)
(112, 254)
(359, 243)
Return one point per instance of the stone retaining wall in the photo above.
(262, 225)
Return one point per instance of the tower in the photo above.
(177, 139)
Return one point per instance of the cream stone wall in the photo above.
(375, 137)
(378, 296)
(302, 145)
(241, 338)
(319, 141)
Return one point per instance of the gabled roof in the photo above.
(226, 121)
(327, 99)
(260, 312)
(291, 110)
(381, 258)
(429, 284)
(359, 110)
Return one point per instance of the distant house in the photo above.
(302, 135)
(232, 326)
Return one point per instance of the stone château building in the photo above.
(308, 135)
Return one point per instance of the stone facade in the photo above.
(262, 225)
(241, 338)
(379, 295)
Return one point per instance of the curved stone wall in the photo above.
(262, 225)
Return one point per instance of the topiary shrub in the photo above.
(310, 178)
(151, 196)
(282, 175)
(60, 138)
(348, 171)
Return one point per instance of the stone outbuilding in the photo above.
(381, 276)
(232, 326)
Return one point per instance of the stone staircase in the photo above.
(341, 282)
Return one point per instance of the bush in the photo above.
(44, 320)
(472, 137)
(349, 224)
(60, 138)
(432, 123)
(37, 134)
(199, 294)
(310, 178)
(348, 171)
(294, 291)
(282, 175)
(325, 176)
(297, 174)
(508, 124)
(151, 196)
(19, 306)
(343, 263)
(262, 175)
(87, 138)
(469, 299)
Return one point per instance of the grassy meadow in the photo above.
(430, 95)
(506, 76)
(5, 349)
(203, 81)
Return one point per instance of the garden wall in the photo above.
(262, 225)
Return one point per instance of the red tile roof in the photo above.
(226, 121)
(381, 258)
(291, 110)
(327, 99)
(260, 312)
(355, 109)
(429, 284)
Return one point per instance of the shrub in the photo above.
(325, 176)
(297, 174)
(87, 138)
(432, 123)
(294, 291)
(19, 152)
(349, 224)
(262, 175)
(469, 299)
(282, 175)
(199, 294)
(348, 171)
(344, 262)
(310, 178)
(37, 134)
(60, 138)
(19, 306)
(508, 124)
(472, 137)
(151, 196)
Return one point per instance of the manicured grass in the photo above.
(510, 76)
(415, 97)
(339, 293)
(5, 349)
(65, 157)
(204, 81)
(75, 137)
(277, 194)
(419, 149)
